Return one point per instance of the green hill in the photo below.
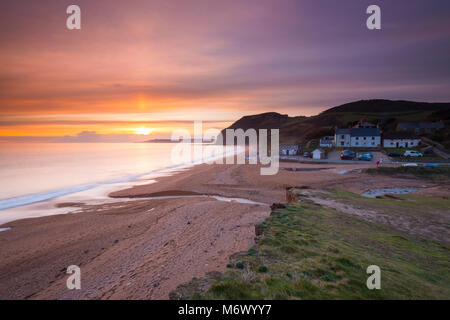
(300, 129)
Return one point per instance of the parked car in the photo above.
(432, 165)
(410, 165)
(412, 153)
(366, 156)
(307, 155)
(347, 155)
(394, 154)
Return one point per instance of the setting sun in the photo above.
(142, 130)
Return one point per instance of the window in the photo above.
(373, 138)
(365, 138)
(342, 143)
(342, 137)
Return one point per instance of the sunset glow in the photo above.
(160, 64)
(237, 153)
(142, 130)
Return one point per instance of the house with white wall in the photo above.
(289, 149)
(342, 137)
(327, 142)
(319, 154)
(400, 139)
(358, 138)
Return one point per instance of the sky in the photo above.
(147, 67)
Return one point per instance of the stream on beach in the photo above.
(373, 193)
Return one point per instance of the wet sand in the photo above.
(144, 248)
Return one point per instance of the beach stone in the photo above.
(276, 206)
(291, 196)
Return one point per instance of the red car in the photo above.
(347, 155)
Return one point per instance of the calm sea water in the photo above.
(36, 172)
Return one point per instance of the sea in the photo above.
(35, 176)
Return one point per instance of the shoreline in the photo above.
(39, 204)
(22, 228)
(93, 194)
(143, 248)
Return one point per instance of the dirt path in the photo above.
(433, 226)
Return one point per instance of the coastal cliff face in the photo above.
(294, 130)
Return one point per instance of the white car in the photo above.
(412, 153)
(410, 165)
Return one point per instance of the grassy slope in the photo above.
(310, 252)
(419, 204)
(437, 174)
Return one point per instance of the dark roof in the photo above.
(360, 132)
(364, 132)
(289, 146)
(400, 135)
(327, 139)
(342, 131)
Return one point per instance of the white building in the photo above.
(342, 137)
(358, 138)
(400, 140)
(289, 149)
(319, 154)
(327, 142)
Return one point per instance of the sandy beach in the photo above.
(144, 248)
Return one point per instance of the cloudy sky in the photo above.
(149, 66)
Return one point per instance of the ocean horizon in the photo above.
(37, 172)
